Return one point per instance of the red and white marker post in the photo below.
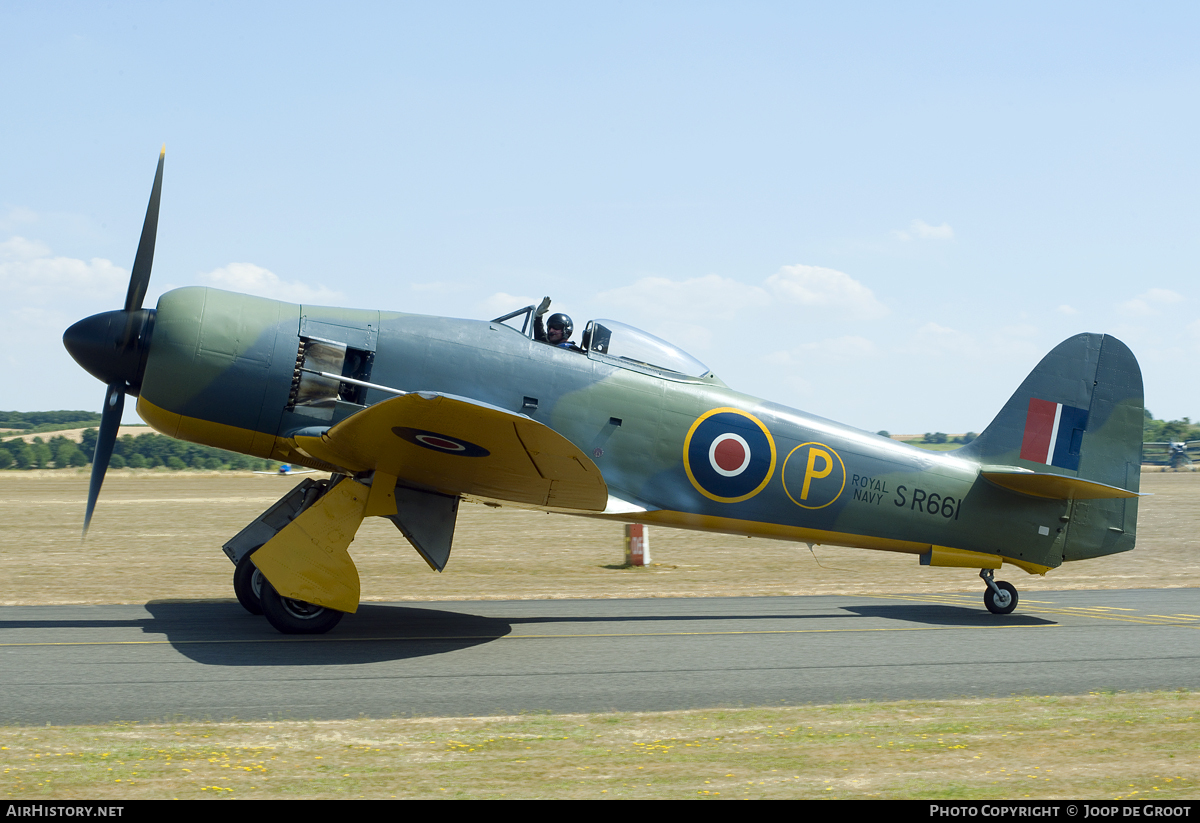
(637, 545)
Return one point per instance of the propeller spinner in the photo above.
(112, 346)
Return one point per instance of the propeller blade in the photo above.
(142, 263)
(110, 421)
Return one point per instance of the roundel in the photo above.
(440, 442)
(813, 475)
(729, 455)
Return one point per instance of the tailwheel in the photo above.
(295, 616)
(247, 584)
(1002, 599)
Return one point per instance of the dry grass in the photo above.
(1102, 746)
(157, 535)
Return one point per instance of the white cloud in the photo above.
(934, 337)
(843, 349)
(1023, 331)
(689, 311)
(29, 273)
(714, 296)
(1067, 310)
(711, 313)
(438, 287)
(18, 248)
(248, 278)
(1150, 302)
(502, 303)
(710, 297)
(17, 216)
(920, 230)
(686, 312)
(825, 288)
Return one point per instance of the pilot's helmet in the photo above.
(562, 322)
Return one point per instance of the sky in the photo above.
(880, 213)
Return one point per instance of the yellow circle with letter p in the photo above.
(813, 475)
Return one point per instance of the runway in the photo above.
(213, 661)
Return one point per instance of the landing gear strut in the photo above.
(1000, 596)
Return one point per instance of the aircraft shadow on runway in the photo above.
(919, 613)
(224, 634)
(221, 633)
(936, 614)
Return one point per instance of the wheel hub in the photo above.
(301, 609)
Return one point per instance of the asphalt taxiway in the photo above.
(202, 660)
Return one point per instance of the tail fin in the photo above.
(1078, 414)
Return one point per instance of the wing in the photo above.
(455, 445)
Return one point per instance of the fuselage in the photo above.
(224, 370)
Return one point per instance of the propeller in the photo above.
(113, 346)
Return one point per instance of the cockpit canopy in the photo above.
(620, 344)
(624, 345)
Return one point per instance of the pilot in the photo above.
(556, 331)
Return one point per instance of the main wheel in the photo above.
(1004, 602)
(296, 616)
(247, 584)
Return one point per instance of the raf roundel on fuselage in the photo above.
(729, 455)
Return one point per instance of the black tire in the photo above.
(1005, 603)
(295, 616)
(247, 584)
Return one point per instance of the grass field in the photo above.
(157, 536)
(1100, 746)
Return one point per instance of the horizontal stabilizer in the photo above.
(1053, 486)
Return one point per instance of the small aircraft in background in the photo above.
(412, 414)
(1174, 453)
(286, 470)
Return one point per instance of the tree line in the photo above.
(145, 451)
(1153, 431)
(1163, 431)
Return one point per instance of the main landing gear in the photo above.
(254, 591)
(258, 596)
(1000, 596)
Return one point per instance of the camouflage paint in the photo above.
(693, 452)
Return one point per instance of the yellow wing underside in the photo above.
(457, 446)
(446, 444)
